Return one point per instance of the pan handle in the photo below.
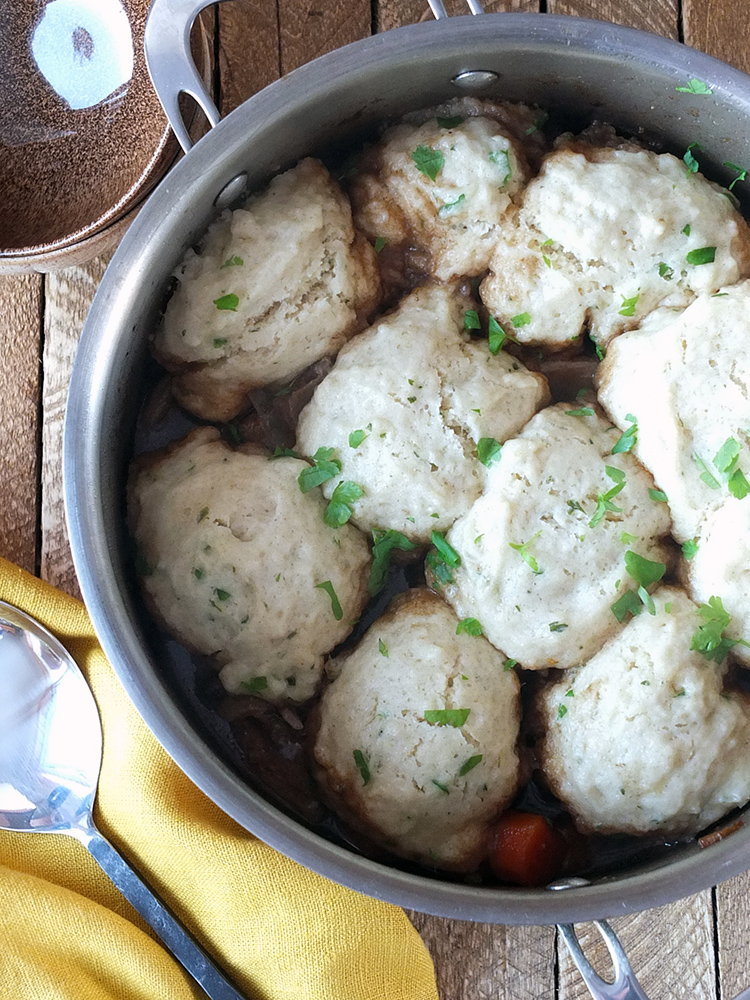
(166, 42)
(624, 986)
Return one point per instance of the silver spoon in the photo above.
(50, 756)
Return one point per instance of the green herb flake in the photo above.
(628, 438)
(450, 122)
(628, 602)
(326, 585)
(627, 307)
(501, 159)
(665, 271)
(509, 664)
(627, 539)
(356, 438)
(380, 242)
(604, 501)
(562, 711)
(470, 626)
(488, 451)
(597, 347)
(339, 508)
(198, 573)
(361, 761)
(325, 467)
(740, 171)
(689, 548)
(686, 229)
(522, 548)
(428, 161)
(574, 505)
(440, 786)
(223, 595)
(557, 626)
(738, 485)
(450, 206)
(254, 685)
(709, 638)
(203, 515)
(227, 303)
(644, 571)
(382, 648)
(522, 319)
(658, 496)
(497, 336)
(455, 717)
(695, 86)
(470, 764)
(384, 542)
(284, 453)
(582, 411)
(471, 320)
(708, 478)
(689, 160)
(219, 342)
(232, 262)
(703, 255)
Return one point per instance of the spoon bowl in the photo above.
(50, 757)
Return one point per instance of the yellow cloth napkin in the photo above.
(278, 930)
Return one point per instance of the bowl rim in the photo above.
(134, 271)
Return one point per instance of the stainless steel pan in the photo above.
(591, 70)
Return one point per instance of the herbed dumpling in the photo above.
(542, 554)
(277, 285)
(683, 378)
(445, 185)
(643, 738)
(410, 406)
(604, 237)
(240, 565)
(417, 737)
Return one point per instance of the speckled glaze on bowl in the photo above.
(83, 137)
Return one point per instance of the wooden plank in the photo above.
(69, 295)
(249, 56)
(733, 931)
(310, 28)
(659, 16)
(489, 961)
(667, 948)
(719, 27)
(20, 344)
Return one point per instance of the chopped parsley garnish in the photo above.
(741, 173)
(644, 572)
(574, 505)
(380, 242)
(604, 500)
(227, 302)
(470, 626)
(361, 761)
(255, 684)
(198, 573)
(442, 559)
(695, 87)
(223, 595)
(628, 438)
(325, 468)
(709, 639)
(509, 664)
(689, 548)
(232, 262)
(522, 548)
(562, 711)
(522, 319)
(501, 159)
(326, 585)
(382, 648)
(384, 543)
(557, 626)
(440, 786)
(629, 602)
(450, 206)
(703, 255)
(627, 539)
(497, 336)
(488, 451)
(219, 342)
(284, 453)
(339, 508)
(726, 462)
(690, 161)
(450, 122)
(658, 496)
(471, 320)
(597, 347)
(203, 515)
(686, 229)
(708, 478)
(428, 161)
(582, 411)
(665, 271)
(356, 438)
(470, 764)
(628, 305)
(455, 717)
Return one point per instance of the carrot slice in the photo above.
(527, 850)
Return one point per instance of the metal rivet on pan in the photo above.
(474, 79)
(231, 191)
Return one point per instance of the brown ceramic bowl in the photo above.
(83, 137)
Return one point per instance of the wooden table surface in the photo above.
(697, 948)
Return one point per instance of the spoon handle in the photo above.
(178, 940)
